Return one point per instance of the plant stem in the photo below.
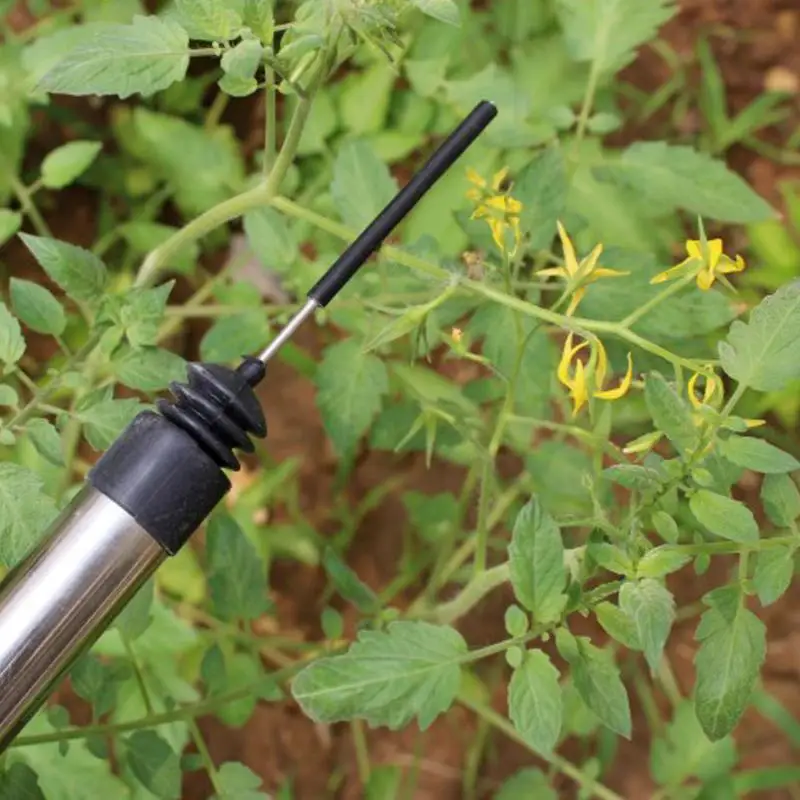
(483, 583)
(217, 110)
(663, 295)
(205, 757)
(362, 751)
(270, 122)
(26, 201)
(501, 724)
(588, 103)
(138, 674)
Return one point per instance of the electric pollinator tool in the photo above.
(155, 485)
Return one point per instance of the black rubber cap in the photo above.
(162, 478)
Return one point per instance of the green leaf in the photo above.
(670, 414)
(80, 273)
(527, 783)
(149, 369)
(633, 476)
(141, 58)
(762, 353)
(516, 621)
(728, 662)
(46, 440)
(410, 670)
(685, 752)
(66, 163)
(20, 782)
(154, 763)
(536, 560)
(268, 236)
(237, 575)
(12, 343)
(142, 314)
(243, 60)
(443, 10)
(672, 177)
(610, 557)
(651, 606)
(10, 223)
(135, 618)
(348, 584)
(597, 680)
(385, 783)
(781, 499)
(534, 701)
(365, 98)
(350, 388)
(723, 516)
(542, 189)
(37, 307)
(609, 32)
(774, 573)
(362, 185)
(208, 19)
(235, 780)
(258, 16)
(666, 527)
(230, 338)
(97, 683)
(25, 511)
(8, 397)
(618, 625)
(757, 455)
(106, 420)
(661, 561)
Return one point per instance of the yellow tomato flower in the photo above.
(583, 381)
(705, 260)
(499, 209)
(579, 273)
(713, 385)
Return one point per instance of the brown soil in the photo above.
(750, 38)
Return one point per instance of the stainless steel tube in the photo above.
(57, 602)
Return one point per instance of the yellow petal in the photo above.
(623, 388)
(604, 272)
(602, 365)
(691, 389)
(705, 279)
(575, 301)
(498, 179)
(498, 227)
(672, 272)
(579, 392)
(727, 265)
(755, 423)
(517, 230)
(714, 252)
(570, 259)
(474, 177)
(567, 355)
(476, 195)
(589, 264)
(553, 272)
(694, 248)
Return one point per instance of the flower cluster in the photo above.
(500, 210)
(705, 261)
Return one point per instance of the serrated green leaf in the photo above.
(762, 353)
(68, 162)
(527, 783)
(46, 440)
(679, 177)
(135, 618)
(609, 32)
(651, 606)
(37, 307)
(20, 782)
(231, 338)
(236, 580)
(365, 97)
(610, 557)
(633, 476)
(348, 584)
(258, 16)
(618, 625)
(235, 780)
(12, 343)
(243, 60)
(25, 511)
(97, 683)
(350, 387)
(410, 670)
(685, 752)
(80, 273)
(106, 420)
(774, 573)
(141, 58)
(154, 763)
(666, 526)
(781, 499)
(536, 560)
(670, 414)
(534, 701)
(362, 185)
(149, 369)
(661, 561)
(723, 516)
(10, 223)
(542, 189)
(758, 455)
(443, 10)
(269, 237)
(728, 662)
(597, 680)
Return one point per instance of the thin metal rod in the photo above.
(288, 331)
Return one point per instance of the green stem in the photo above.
(567, 768)
(138, 675)
(217, 110)
(362, 751)
(471, 594)
(205, 757)
(663, 295)
(270, 122)
(26, 201)
(588, 103)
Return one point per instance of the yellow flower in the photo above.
(500, 210)
(457, 334)
(584, 381)
(713, 385)
(579, 273)
(705, 260)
